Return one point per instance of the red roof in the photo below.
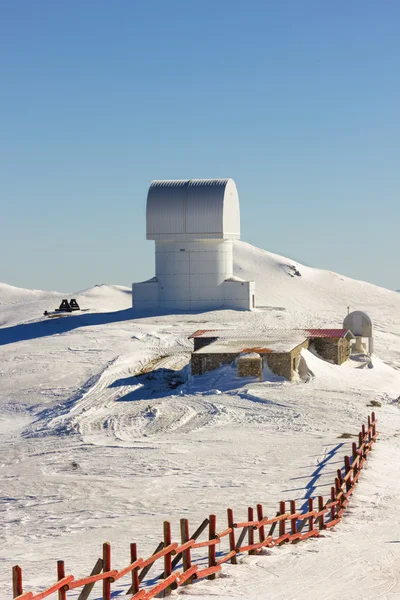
(267, 333)
(200, 332)
(326, 333)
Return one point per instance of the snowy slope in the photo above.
(84, 458)
(18, 305)
(278, 285)
(316, 297)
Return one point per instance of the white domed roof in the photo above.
(193, 209)
(359, 323)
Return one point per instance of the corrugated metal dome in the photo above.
(193, 209)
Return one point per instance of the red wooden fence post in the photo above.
(212, 553)
(364, 441)
(17, 581)
(293, 522)
(369, 429)
(373, 424)
(338, 486)
(340, 478)
(106, 567)
(62, 594)
(360, 440)
(186, 556)
(347, 468)
(354, 450)
(232, 543)
(333, 498)
(338, 483)
(311, 519)
(320, 508)
(260, 516)
(354, 456)
(167, 557)
(282, 524)
(135, 572)
(250, 517)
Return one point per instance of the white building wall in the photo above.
(192, 272)
(239, 295)
(193, 223)
(145, 295)
(231, 216)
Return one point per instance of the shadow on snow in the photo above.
(49, 327)
(156, 384)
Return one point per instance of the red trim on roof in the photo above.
(326, 333)
(316, 333)
(260, 350)
(200, 332)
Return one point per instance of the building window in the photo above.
(294, 364)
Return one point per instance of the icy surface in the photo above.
(104, 435)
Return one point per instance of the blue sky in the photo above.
(298, 101)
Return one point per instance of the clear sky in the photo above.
(296, 100)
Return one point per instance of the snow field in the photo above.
(84, 459)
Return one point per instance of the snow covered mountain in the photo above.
(280, 283)
(284, 282)
(84, 459)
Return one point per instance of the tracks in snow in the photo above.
(124, 403)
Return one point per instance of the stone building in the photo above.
(331, 344)
(279, 350)
(280, 356)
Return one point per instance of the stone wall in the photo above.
(285, 364)
(336, 350)
(201, 363)
(344, 350)
(296, 354)
(249, 366)
(280, 364)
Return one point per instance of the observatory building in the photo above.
(193, 223)
(361, 326)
